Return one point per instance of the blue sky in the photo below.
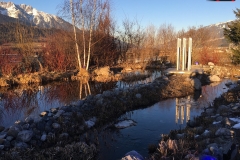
(179, 13)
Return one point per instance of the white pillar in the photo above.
(184, 54)
(178, 52)
(189, 53)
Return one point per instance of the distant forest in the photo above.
(8, 32)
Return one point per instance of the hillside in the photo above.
(218, 29)
(8, 31)
(30, 15)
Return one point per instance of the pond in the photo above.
(20, 102)
(155, 120)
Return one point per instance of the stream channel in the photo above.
(20, 102)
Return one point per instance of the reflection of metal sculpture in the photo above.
(180, 109)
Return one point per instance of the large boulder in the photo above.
(210, 63)
(25, 135)
(214, 78)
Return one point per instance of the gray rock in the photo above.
(41, 125)
(138, 96)
(64, 135)
(2, 128)
(209, 111)
(180, 136)
(67, 114)
(107, 93)
(43, 137)
(56, 125)
(91, 122)
(21, 145)
(3, 135)
(1, 147)
(214, 78)
(222, 108)
(26, 126)
(9, 138)
(79, 103)
(29, 120)
(25, 135)
(13, 133)
(58, 114)
(67, 108)
(191, 123)
(2, 141)
(228, 83)
(219, 118)
(206, 133)
(223, 132)
(48, 128)
(7, 144)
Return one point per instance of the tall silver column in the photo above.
(189, 53)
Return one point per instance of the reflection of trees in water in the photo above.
(16, 100)
(99, 87)
(153, 74)
(64, 92)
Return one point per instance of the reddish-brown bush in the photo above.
(9, 60)
(208, 54)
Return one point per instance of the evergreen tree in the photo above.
(232, 34)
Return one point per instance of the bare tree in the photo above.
(75, 34)
(130, 40)
(85, 15)
(166, 38)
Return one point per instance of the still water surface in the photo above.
(19, 102)
(155, 120)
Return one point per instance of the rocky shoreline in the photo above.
(67, 126)
(63, 133)
(215, 134)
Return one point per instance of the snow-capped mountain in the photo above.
(219, 27)
(28, 14)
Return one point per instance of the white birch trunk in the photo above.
(83, 32)
(75, 35)
(90, 33)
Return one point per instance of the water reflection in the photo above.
(29, 100)
(158, 119)
(182, 106)
(152, 77)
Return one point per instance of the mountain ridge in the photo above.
(28, 14)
